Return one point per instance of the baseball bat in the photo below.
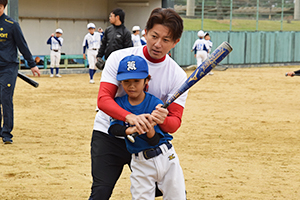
(296, 74)
(216, 57)
(28, 80)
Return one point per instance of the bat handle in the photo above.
(132, 137)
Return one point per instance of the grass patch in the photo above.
(239, 25)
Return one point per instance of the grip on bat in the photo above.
(132, 137)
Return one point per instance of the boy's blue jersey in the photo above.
(11, 38)
(146, 107)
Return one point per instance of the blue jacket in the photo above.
(11, 38)
(147, 106)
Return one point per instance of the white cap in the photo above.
(91, 25)
(136, 28)
(59, 30)
(143, 32)
(200, 33)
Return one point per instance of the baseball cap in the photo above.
(143, 32)
(132, 67)
(136, 28)
(59, 30)
(91, 25)
(206, 33)
(200, 33)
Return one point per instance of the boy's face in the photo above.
(134, 87)
(58, 34)
(207, 37)
(91, 30)
(159, 41)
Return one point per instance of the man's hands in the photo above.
(35, 70)
(290, 74)
(159, 114)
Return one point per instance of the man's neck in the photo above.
(118, 23)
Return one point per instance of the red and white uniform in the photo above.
(166, 77)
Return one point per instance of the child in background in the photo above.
(55, 41)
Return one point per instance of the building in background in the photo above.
(38, 18)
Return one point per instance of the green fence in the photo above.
(248, 47)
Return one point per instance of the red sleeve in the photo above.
(173, 120)
(106, 102)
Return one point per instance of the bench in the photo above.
(66, 61)
(78, 59)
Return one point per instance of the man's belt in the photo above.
(55, 50)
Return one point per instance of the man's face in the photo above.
(112, 18)
(1, 9)
(159, 41)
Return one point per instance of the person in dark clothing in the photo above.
(116, 36)
(11, 38)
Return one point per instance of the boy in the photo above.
(151, 152)
(135, 36)
(91, 42)
(55, 41)
(200, 48)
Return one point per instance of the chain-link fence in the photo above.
(272, 10)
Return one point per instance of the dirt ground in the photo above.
(238, 140)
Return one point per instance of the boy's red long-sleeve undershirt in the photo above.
(107, 104)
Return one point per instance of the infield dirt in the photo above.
(239, 138)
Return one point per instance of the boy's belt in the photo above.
(153, 152)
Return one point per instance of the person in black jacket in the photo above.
(116, 36)
(11, 38)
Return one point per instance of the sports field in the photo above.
(239, 138)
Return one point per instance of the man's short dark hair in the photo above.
(169, 18)
(119, 12)
(3, 2)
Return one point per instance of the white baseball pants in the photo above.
(54, 59)
(92, 58)
(163, 169)
(201, 56)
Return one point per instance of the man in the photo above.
(116, 36)
(11, 38)
(135, 36)
(109, 154)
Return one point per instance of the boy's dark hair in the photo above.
(169, 18)
(119, 12)
(3, 2)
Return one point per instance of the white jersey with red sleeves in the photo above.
(166, 77)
